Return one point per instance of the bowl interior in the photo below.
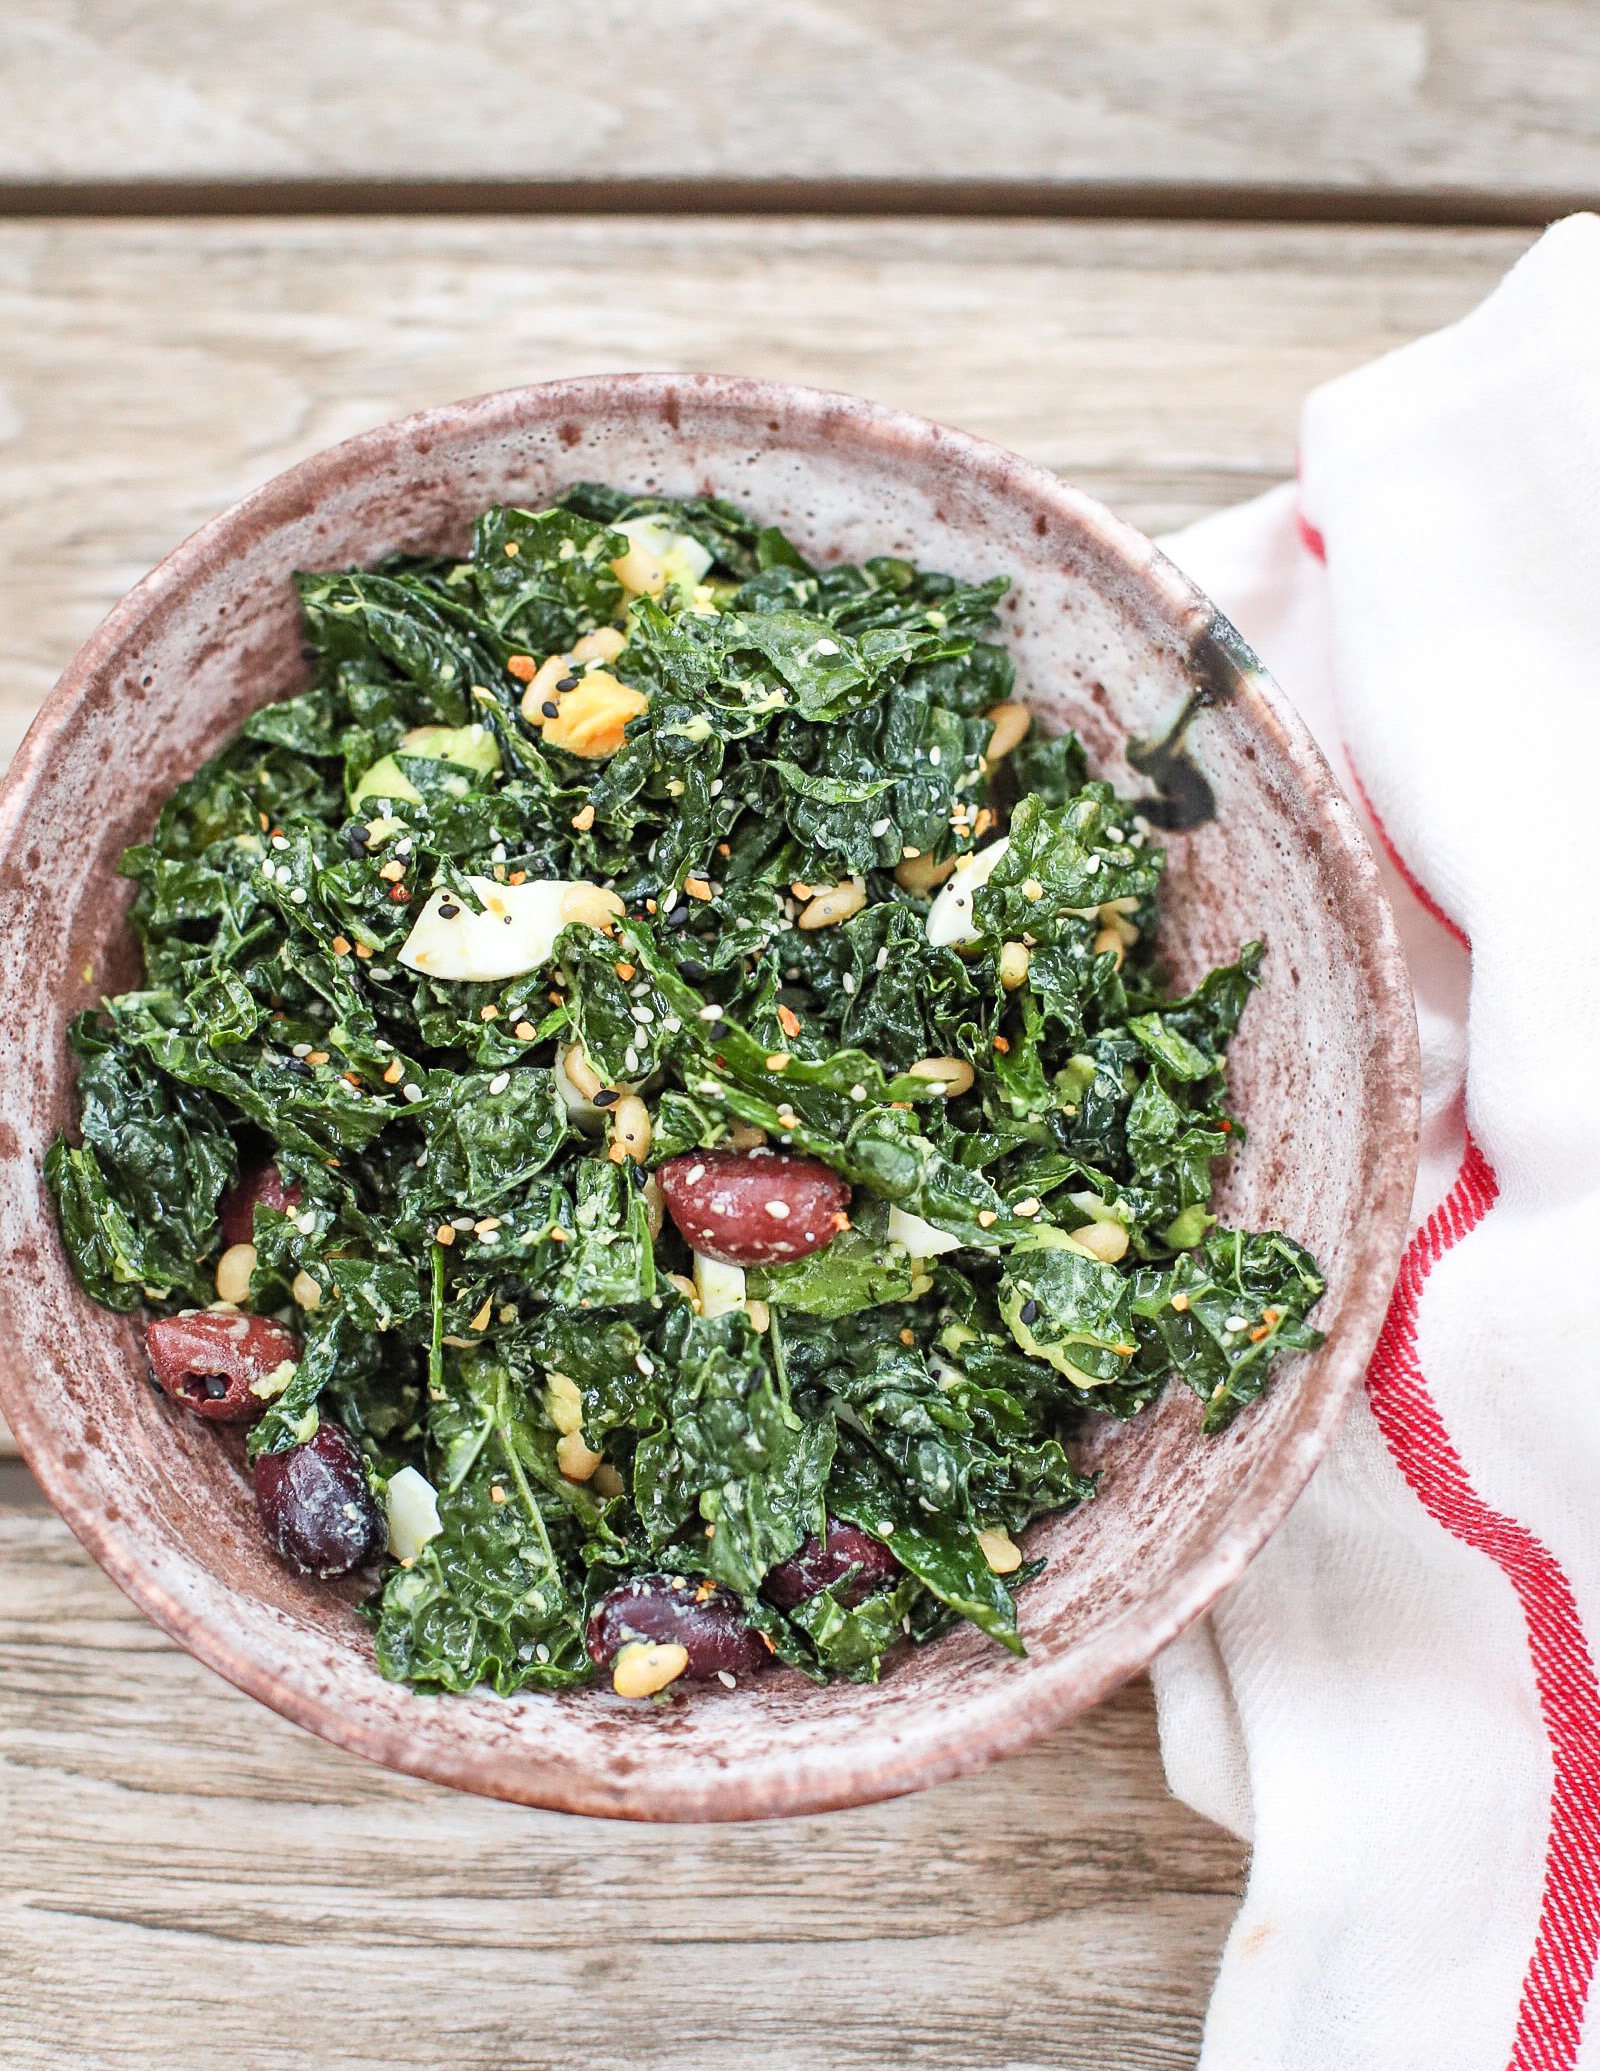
(1110, 640)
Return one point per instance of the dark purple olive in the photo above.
(316, 1506)
(208, 1359)
(704, 1619)
(822, 1562)
(264, 1187)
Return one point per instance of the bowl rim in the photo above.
(1019, 1710)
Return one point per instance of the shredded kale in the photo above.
(489, 1271)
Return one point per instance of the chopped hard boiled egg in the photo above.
(920, 1238)
(950, 921)
(658, 555)
(413, 1509)
(719, 1287)
(515, 933)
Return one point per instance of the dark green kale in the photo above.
(476, 1261)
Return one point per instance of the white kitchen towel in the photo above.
(1398, 1703)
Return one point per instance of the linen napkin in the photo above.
(1397, 1704)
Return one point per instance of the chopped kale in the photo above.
(474, 1254)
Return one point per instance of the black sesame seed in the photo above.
(214, 1385)
(641, 1178)
(447, 911)
(1030, 1312)
(678, 917)
(718, 1030)
(356, 839)
(693, 970)
(605, 1098)
(550, 709)
(568, 683)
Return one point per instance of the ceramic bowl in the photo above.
(1109, 639)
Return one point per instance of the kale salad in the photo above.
(654, 1101)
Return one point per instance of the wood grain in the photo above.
(189, 1881)
(1426, 95)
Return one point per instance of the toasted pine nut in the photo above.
(1003, 1556)
(604, 644)
(760, 1317)
(687, 1289)
(606, 1481)
(576, 1460)
(306, 1291)
(745, 1136)
(655, 1206)
(1010, 722)
(563, 1404)
(581, 1072)
(234, 1268)
(630, 1121)
(953, 1075)
(590, 906)
(1107, 1240)
(1015, 958)
(921, 874)
(1109, 943)
(643, 1667)
(541, 690)
(833, 903)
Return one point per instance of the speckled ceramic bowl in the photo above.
(1111, 640)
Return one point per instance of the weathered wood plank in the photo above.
(188, 1880)
(1428, 95)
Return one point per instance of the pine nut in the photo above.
(234, 1268)
(833, 903)
(953, 1075)
(576, 1461)
(745, 1136)
(760, 1317)
(643, 1667)
(1010, 722)
(585, 1079)
(631, 1127)
(563, 1404)
(306, 1291)
(1003, 1556)
(1015, 958)
(655, 1207)
(1109, 943)
(687, 1289)
(922, 875)
(541, 690)
(604, 644)
(1107, 1240)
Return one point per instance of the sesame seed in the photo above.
(280, 841)
(411, 1090)
(858, 1092)
(1235, 1323)
(880, 828)
(499, 1082)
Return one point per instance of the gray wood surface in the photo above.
(189, 1882)
(1495, 96)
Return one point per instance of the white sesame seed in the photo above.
(302, 1050)
(297, 897)
(858, 1092)
(645, 1363)
(935, 756)
(279, 841)
(306, 1224)
(827, 647)
(726, 1680)
(882, 958)
(498, 853)
(499, 1082)
(630, 1060)
(711, 1013)
(880, 828)
(849, 984)
(412, 1091)
(1235, 1323)
(461, 1222)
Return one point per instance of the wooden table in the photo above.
(1116, 238)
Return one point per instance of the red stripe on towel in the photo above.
(1555, 1986)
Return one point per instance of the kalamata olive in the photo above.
(207, 1359)
(704, 1619)
(821, 1562)
(237, 1213)
(316, 1506)
(754, 1208)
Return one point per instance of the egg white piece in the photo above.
(412, 1504)
(515, 933)
(921, 1239)
(950, 921)
(719, 1287)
